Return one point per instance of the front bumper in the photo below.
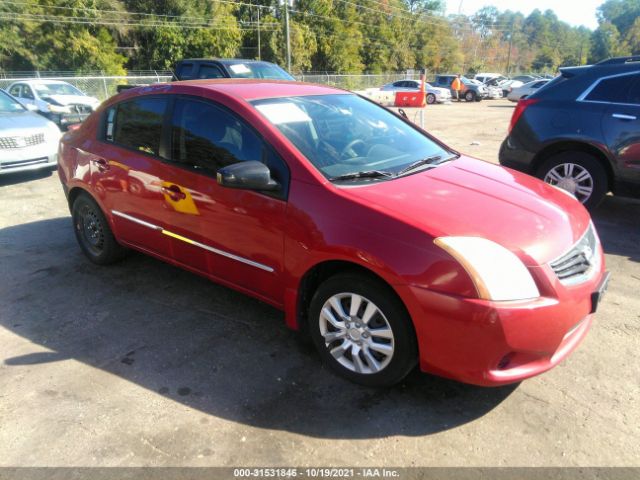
(496, 343)
(35, 157)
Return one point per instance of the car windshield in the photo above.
(258, 70)
(9, 105)
(343, 134)
(48, 89)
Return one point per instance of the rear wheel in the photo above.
(431, 98)
(362, 330)
(579, 173)
(470, 96)
(93, 232)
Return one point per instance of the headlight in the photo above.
(58, 108)
(496, 272)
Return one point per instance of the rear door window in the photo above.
(137, 124)
(613, 90)
(185, 71)
(15, 90)
(210, 71)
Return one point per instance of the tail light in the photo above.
(520, 108)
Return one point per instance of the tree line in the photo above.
(341, 36)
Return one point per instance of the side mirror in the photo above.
(251, 175)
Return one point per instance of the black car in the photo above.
(581, 131)
(198, 68)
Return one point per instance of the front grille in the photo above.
(80, 108)
(577, 264)
(21, 142)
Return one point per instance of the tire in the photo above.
(579, 173)
(93, 232)
(389, 330)
(431, 98)
(470, 96)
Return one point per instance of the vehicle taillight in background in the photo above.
(520, 108)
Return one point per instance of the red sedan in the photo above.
(384, 245)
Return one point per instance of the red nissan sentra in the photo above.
(387, 247)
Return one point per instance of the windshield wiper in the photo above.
(425, 161)
(363, 174)
(419, 163)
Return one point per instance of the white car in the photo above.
(526, 89)
(434, 94)
(59, 101)
(28, 141)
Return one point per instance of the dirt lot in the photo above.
(144, 364)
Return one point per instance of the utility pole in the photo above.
(286, 26)
(510, 44)
(259, 58)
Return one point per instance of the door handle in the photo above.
(101, 163)
(622, 116)
(174, 192)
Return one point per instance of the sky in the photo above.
(567, 11)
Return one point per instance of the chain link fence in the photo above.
(103, 87)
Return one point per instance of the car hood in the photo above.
(74, 99)
(23, 123)
(469, 197)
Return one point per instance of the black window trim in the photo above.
(585, 94)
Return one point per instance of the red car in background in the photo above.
(383, 244)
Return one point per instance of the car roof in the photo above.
(41, 81)
(224, 61)
(251, 89)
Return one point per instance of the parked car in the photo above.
(485, 77)
(471, 91)
(383, 244)
(434, 94)
(59, 101)
(526, 89)
(200, 68)
(525, 78)
(28, 141)
(581, 132)
(508, 85)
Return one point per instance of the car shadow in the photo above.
(616, 220)
(203, 345)
(14, 178)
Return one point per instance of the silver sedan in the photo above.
(28, 141)
(526, 89)
(434, 94)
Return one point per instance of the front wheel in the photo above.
(470, 96)
(362, 330)
(431, 99)
(579, 173)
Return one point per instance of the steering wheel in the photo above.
(348, 152)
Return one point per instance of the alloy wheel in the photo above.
(356, 333)
(573, 178)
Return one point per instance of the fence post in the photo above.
(106, 92)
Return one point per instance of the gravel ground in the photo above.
(142, 364)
